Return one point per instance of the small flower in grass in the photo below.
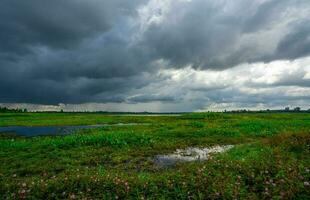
(14, 175)
(24, 184)
(306, 183)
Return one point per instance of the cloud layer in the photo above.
(155, 55)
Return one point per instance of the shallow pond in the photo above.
(190, 154)
(31, 131)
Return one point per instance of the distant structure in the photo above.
(287, 109)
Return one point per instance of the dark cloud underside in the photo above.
(78, 51)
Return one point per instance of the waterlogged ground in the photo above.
(270, 157)
(191, 154)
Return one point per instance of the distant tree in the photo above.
(297, 109)
(25, 110)
(3, 109)
(61, 110)
(287, 109)
(12, 110)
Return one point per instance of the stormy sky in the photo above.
(154, 55)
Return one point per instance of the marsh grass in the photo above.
(271, 157)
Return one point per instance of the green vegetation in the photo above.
(271, 157)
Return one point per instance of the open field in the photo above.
(270, 159)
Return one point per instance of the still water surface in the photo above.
(31, 131)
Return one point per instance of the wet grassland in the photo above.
(270, 157)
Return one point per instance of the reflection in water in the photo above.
(190, 154)
(31, 131)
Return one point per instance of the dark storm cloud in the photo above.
(69, 91)
(296, 43)
(76, 51)
(62, 51)
(57, 24)
(151, 98)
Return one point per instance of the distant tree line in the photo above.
(12, 110)
(287, 109)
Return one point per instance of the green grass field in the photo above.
(271, 157)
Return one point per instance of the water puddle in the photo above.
(31, 131)
(190, 154)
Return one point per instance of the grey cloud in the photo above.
(212, 34)
(56, 24)
(264, 15)
(70, 91)
(66, 51)
(151, 98)
(79, 51)
(297, 43)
